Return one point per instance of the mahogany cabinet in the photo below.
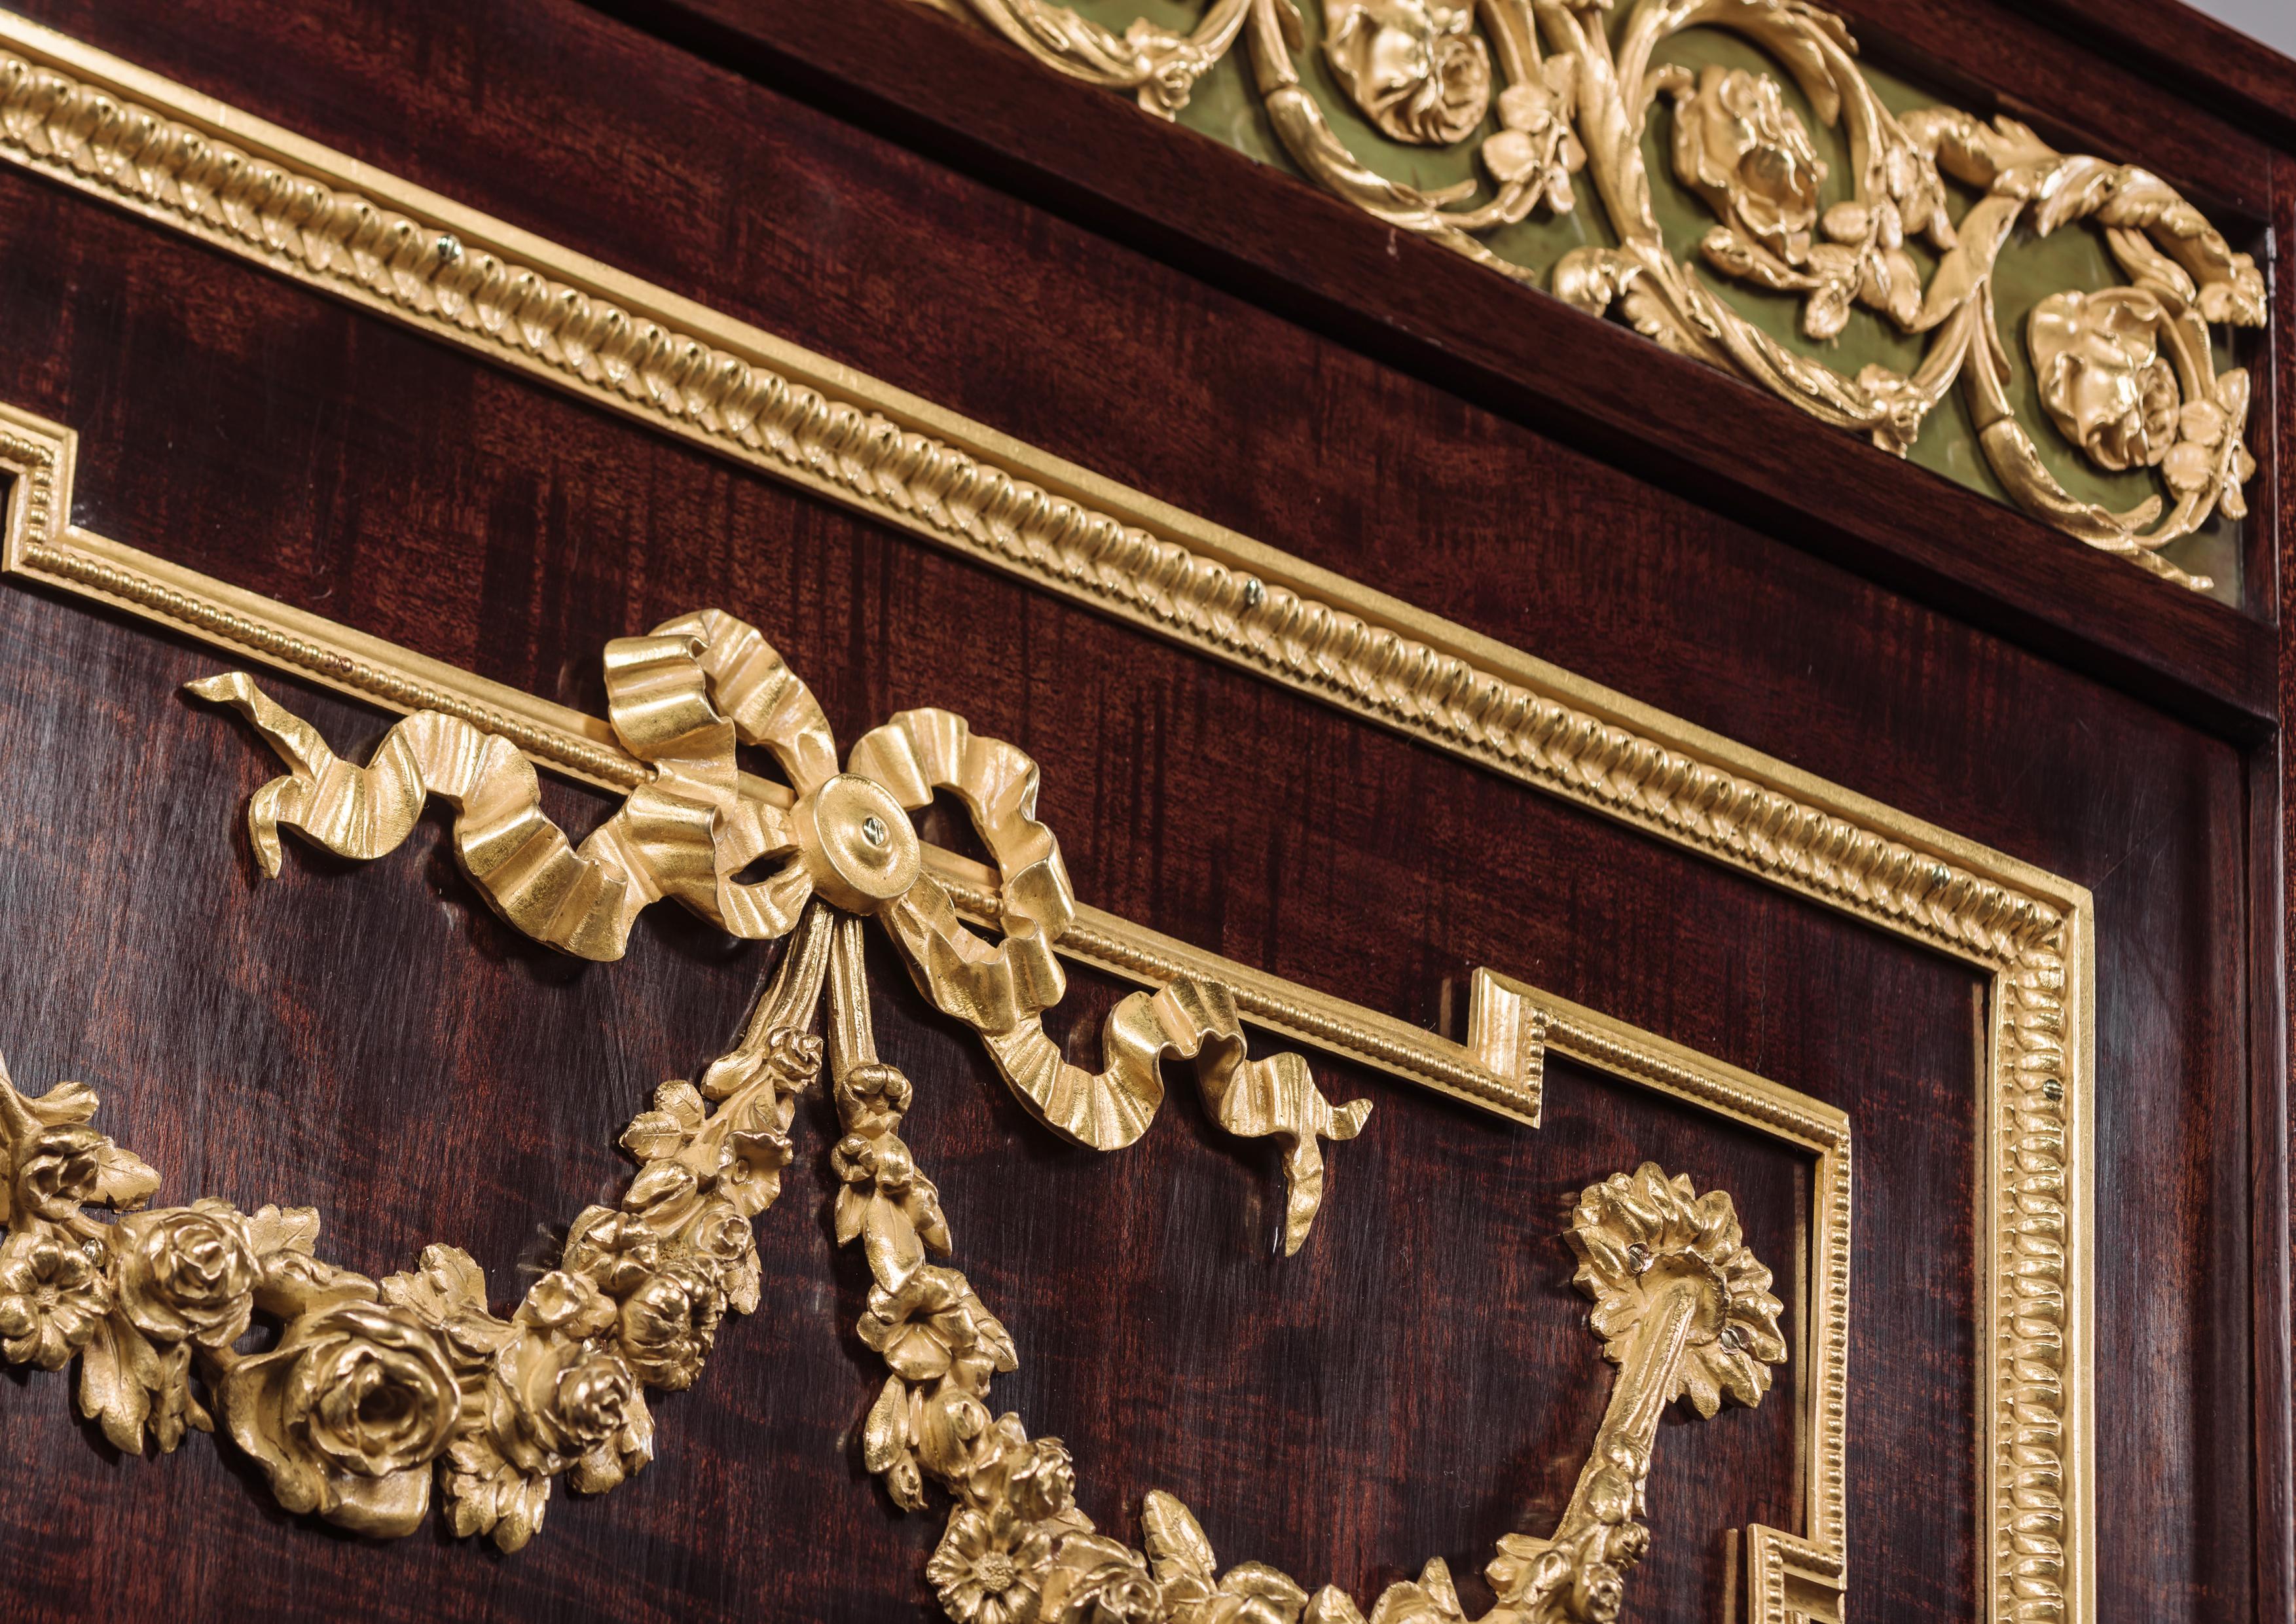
(1576, 756)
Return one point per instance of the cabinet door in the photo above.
(1330, 942)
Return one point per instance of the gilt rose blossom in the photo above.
(347, 1413)
(1737, 142)
(187, 1273)
(56, 1174)
(669, 1325)
(2104, 381)
(552, 1401)
(1417, 70)
(1095, 1580)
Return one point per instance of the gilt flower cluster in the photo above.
(368, 1391)
(1017, 1549)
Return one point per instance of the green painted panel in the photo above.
(1227, 107)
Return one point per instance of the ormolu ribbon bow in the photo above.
(680, 699)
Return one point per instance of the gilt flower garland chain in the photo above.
(368, 1394)
(1686, 1309)
(372, 1389)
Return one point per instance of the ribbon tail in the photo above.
(1105, 1109)
(778, 1033)
(295, 741)
(1275, 1097)
(520, 861)
(1188, 1020)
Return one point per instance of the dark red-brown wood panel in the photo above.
(373, 1041)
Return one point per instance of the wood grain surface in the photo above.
(2246, 81)
(1418, 1381)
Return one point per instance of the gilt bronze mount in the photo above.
(1548, 89)
(436, 267)
(489, 1409)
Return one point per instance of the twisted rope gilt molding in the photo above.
(2126, 374)
(103, 127)
(420, 270)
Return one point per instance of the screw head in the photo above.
(857, 842)
(2053, 1091)
(1254, 593)
(450, 249)
(1639, 1255)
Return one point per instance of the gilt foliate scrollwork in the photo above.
(1158, 66)
(2127, 375)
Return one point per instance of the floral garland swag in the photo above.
(371, 1392)
(374, 1390)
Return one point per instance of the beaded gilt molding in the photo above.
(372, 1393)
(189, 163)
(2126, 374)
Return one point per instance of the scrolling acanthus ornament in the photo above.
(2127, 375)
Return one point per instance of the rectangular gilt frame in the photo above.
(192, 165)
